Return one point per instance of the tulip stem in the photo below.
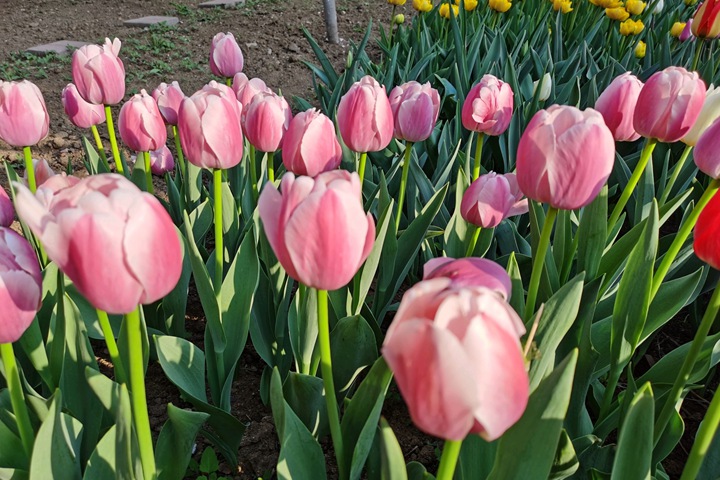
(99, 144)
(328, 383)
(271, 166)
(148, 172)
(137, 395)
(228, 81)
(682, 235)
(688, 364)
(448, 460)
(17, 398)
(217, 185)
(473, 239)
(113, 140)
(478, 154)
(698, 49)
(361, 169)
(179, 152)
(30, 169)
(704, 438)
(120, 375)
(676, 172)
(253, 172)
(392, 26)
(632, 182)
(403, 183)
(539, 262)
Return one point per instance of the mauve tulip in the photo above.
(669, 104)
(98, 73)
(687, 32)
(488, 106)
(470, 272)
(141, 126)
(310, 146)
(168, 98)
(707, 151)
(7, 211)
(104, 231)
(364, 116)
(415, 109)
(226, 58)
(318, 228)
(161, 161)
(565, 156)
(457, 360)
(24, 120)
(492, 198)
(267, 118)
(709, 112)
(209, 127)
(43, 172)
(706, 21)
(706, 241)
(81, 113)
(20, 285)
(617, 106)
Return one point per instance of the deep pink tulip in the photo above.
(669, 104)
(24, 120)
(209, 127)
(488, 106)
(141, 126)
(310, 146)
(20, 285)
(7, 211)
(43, 172)
(457, 360)
(162, 161)
(103, 231)
(687, 34)
(364, 116)
(98, 73)
(707, 151)
(565, 156)
(470, 272)
(329, 254)
(81, 113)
(168, 98)
(267, 118)
(415, 110)
(492, 198)
(226, 58)
(617, 106)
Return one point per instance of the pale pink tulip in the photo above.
(7, 211)
(470, 272)
(267, 118)
(488, 106)
(141, 126)
(43, 171)
(364, 116)
(24, 119)
(617, 106)
(168, 98)
(415, 110)
(98, 73)
(81, 113)
(310, 146)
(492, 198)
(226, 58)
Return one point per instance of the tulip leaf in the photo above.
(457, 227)
(392, 460)
(305, 394)
(174, 304)
(175, 443)
(476, 458)
(566, 461)
(635, 445)
(127, 462)
(355, 347)
(94, 164)
(303, 329)
(672, 296)
(417, 471)
(12, 453)
(370, 267)
(592, 233)
(327, 68)
(101, 464)
(517, 298)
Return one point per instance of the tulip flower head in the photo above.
(468, 5)
(24, 119)
(709, 112)
(501, 6)
(631, 27)
(563, 6)
(706, 21)
(445, 10)
(545, 87)
(397, 3)
(422, 5)
(7, 211)
(617, 13)
(168, 98)
(687, 32)
(310, 146)
(364, 116)
(43, 172)
(659, 6)
(470, 272)
(635, 7)
(141, 125)
(488, 106)
(677, 28)
(267, 118)
(492, 198)
(226, 58)
(617, 106)
(706, 242)
(81, 113)
(707, 151)
(98, 73)
(161, 161)
(640, 49)
(415, 110)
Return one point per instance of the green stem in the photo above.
(253, 172)
(704, 438)
(328, 383)
(676, 172)
(448, 461)
(473, 239)
(478, 154)
(179, 153)
(99, 143)
(688, 364)
(148, 172)
(361, 168)
(403, 183)
(228, 81)
(632, 183)
(539, 262)
(30, 169)
(682, 235)
(120, 375)
(17, 398)
(217, 185)
(698, 49)
(392, 25)
(137, 395)
(271, 166)
(613, 379)
(113, 140)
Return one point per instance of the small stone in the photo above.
(222, 3)
(59, 142)
(269, 51)
(293, 47)
(61, 47)
(152, 20)
(251, 44)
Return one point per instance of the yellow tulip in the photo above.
(397, 3)
(422, 5)
(445, 10)
(677, 29)
(631, 27)
(610, 3)
(617, 13)
(501, 6)
(399, 19)
(640, 49)
(635, 7)
(469, 5)
(595, 2)
(564, 6)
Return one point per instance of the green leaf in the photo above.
(12, 453)
(417, 471)
(175, 443)
(370, 267)
(566, 462)
(355, 347)
(93, 162)
(126, 464)
(101, 464)
(305, 394)
(592, 233)
(208, 461)
(456, 229)
(476, 458)
(392, 460)
(634, 450)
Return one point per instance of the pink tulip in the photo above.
(141, 126)
(329, 254)
(687, 34)
(310, 146)
(7, 211)
(162, 161)
(43, 172)
(617, 106)
(415, 109)
(267, 118)
(24, 120)
(245, 89)
(168, 98)
(565, 156)
(81, 113)
(488, 106)
(707, 151)
(98, 73)
(457, 360)
(209, 127)
(492, 198)
(20, 285)
(364, 116)
(226, 58)
(669, 104)
(470, 272)
(103, 231)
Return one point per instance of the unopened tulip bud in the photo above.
(399, 19)
(24, 119)
(98, 73)
(545, 87)
(141, 125)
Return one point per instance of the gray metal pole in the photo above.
(331, 21)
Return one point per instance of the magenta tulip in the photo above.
(707, 151)
(470, 272)
(457, 360)
(24, 120)
(617, 106)
(267, 118)
(209, 127)
(669, 104)
(81, 113)
(7, 211)
(226, 58)
(141, 126)
(492, 198)
(168, 98)
(103, 231)
(488, 106)
(687, 34)
(310, 146)
(43, 172)
(415, 109)
(98, 73)
(364, 116)
(20, 285)
(565, 156)
(329, 254)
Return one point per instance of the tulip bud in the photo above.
(631, 27)
(687, 32)
(399, 19)
(617, 13)
(226, 58)
(676, 29)
(266, 120)
(310, 146)
(98, 73)
(640, 49)
(415, 110)
(491, 199)
(24, 119)
(545, 87)
(707, 233)
(81, 113)
(659, 6)
(707, 150)
(397, 3)
(364, 116)
(635, 7)
(470, 272)
(488, 106)
(501, 6)
(168, 98)
(161, 161)
(141, 126)
(617, 106)
(422, 5)
(7, 211)
(706, 21)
